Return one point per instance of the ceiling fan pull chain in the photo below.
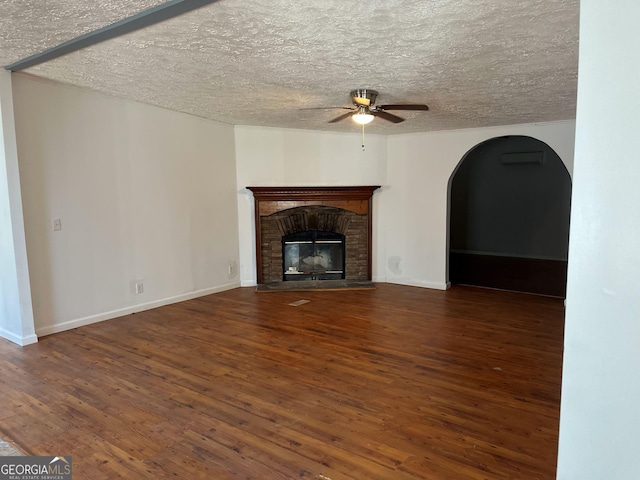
(363, 137)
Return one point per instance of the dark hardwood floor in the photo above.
(396, 383)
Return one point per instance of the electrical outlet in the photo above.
(232, 268)
(56, 224)
(139, 288)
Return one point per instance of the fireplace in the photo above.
(313, 234)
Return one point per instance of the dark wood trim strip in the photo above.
(258, 240)
(313, 193)
(370, 240)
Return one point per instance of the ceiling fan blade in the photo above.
(341, 117)
(327, 108)
(409, 106)
(387, 116)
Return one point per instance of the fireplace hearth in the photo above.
(313, 235)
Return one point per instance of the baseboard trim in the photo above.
(101, 317)
(420, 283)
(19, 339)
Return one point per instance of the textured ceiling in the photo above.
(259, 62)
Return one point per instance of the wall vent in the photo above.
(522, 158)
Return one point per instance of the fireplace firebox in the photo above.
(313, 255)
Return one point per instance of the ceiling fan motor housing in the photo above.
(364, 93)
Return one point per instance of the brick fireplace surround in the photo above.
(281, 211)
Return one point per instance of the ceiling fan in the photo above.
(364, 109)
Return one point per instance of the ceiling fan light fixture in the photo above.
(362, 117)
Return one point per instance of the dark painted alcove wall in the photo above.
(510, 199)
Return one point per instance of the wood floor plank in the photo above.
(397, 383)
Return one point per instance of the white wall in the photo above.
(600, 413)
(414, 205)
(143, 194)
(281, 157)
(410, 210)
(16, 314)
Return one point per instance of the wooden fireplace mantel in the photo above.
(270, 200)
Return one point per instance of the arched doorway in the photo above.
(509, 203)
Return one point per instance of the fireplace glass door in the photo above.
(313, 255)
